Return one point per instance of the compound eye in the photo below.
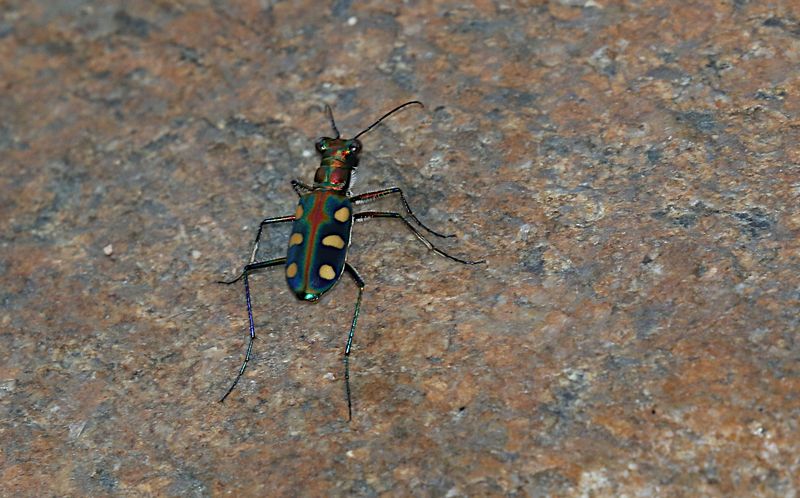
(355, 147)
(321, 145)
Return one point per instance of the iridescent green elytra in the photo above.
(321, 226)
(318, 244)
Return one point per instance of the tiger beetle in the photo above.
(321, 226)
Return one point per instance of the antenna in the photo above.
(373, 125)
(333, 123)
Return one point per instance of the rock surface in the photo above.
(630, 171)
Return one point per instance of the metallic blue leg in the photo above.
(247, 269)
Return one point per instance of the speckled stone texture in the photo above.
(630, 170)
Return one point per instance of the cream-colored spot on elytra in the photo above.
(342, 214)
(299, 212)
(291, 270)
(295, 239)
(326, 272)
(333, 241)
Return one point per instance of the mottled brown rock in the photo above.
(630, 170)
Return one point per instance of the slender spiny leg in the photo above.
(360, 283)
(383, 214)
(372, 196)
(301, 188)
(252, 326)
(268, 221)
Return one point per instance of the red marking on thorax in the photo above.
(339, 175)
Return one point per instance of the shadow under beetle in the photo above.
(321, 226)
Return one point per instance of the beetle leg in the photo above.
(301, 188)
(360, 283)
(372, 196)
(384, 214)
(243, 276)
(268, 221)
